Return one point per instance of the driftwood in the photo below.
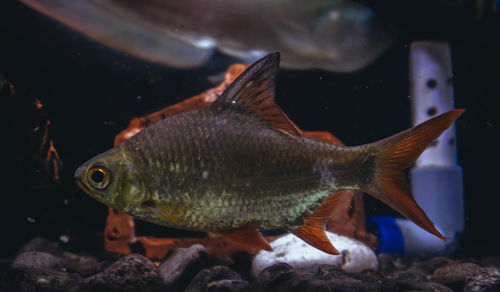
(348, 219)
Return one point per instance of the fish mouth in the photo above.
(79, 181)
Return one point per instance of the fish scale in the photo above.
(232, 153)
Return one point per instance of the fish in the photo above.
(240, 164)
(333, 35)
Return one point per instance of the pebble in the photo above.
(282, 277)
(387, 262)
(409, 276)
(40, 271)
(182, 265)
(354, 256)
(339, 280)
(28, 280)
(130, 273)
(227, 286)
(270, 278)
(36, 260)
(422, 287)
(209, 278)
(430, 265)
(84, 265)
(373, 280)
(455, 274)
(486, 280)
(42, 266)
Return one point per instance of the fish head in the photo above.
(112, 179)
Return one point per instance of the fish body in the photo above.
(241, 164)
(212, 165)
(337, 35)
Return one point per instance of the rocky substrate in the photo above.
(42, 266)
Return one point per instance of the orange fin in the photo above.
(247, 236)
(397, 153)
(253, 92)
(313, 229)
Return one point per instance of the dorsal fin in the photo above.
(254, 91)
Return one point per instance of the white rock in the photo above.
(354, 256)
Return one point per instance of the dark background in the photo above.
(90, 93)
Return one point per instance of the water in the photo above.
(90, 93)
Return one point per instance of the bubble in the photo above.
(64, 238)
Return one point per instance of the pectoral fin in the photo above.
(313, 229)
(163, 211)
(247, 236)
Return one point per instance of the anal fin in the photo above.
(313, 229)
(247, 236)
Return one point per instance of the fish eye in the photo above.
(99, 177)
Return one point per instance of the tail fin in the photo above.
(397, 153)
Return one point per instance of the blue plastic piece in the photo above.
(389, 235)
